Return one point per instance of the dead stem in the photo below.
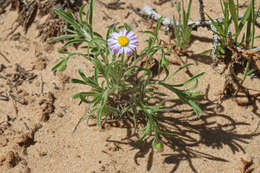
(112, 5)
(168, 23)
(160, 2)
(5, 58)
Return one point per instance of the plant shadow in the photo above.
(213, 130)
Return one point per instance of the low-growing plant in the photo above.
(230, 42)
(121, 86)
(231, 15)
(181, 28)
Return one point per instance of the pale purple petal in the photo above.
(115, 35)
(124, 32)
(117, 48)
(112, 41)
(127, 50)
(120, 51)
(131, 35)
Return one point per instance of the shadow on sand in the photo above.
(214, 130)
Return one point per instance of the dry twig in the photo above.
(5, 58)
(168, 23)
(246, 165)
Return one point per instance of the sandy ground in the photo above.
(37, 121)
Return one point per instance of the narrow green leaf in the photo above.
(78, 81)
(127, 27)
(179, 69)
(74, 41)
(81, 12)
(91, 7)
(62, 65)
(158, 27)
(234, 15)
(244, 19)
(63, 37)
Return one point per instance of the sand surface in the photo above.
(32, 140)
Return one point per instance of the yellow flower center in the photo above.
(123, 41)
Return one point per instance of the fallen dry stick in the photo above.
(5, 58)
(168, 23)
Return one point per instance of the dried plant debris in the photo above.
(22, 138)
(160, 2)
(29, 9)
(12, 159)
(39, 64)
(246, 166)
(47, 6)
(25, 139)
(3, 97)
(47, 107)
(4, 57)
(27, 12)
(233, 66)
(3, 5)
(239, 53)
(52, 27)
(115, 5)
(19, 76)
(15, 79)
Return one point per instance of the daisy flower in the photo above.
(123, 41)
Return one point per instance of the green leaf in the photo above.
(91, 7)
(68, 17)
(205, 52)
(245, 18)
(217, 25)
(100, 109)
(184, 96)
(188, 12)
(127, 27)
(78, 81)
(179, 69)
(84, 94)
(81, 12)
(193, 78)
(62, 65)
(147, 130)
(158, 27)
(234, 15)
(63, 37)
(74, 41)
(178, 6)
(149, 32)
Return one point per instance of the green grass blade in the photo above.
(158, 27)
(244, 19)
(234, 15)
